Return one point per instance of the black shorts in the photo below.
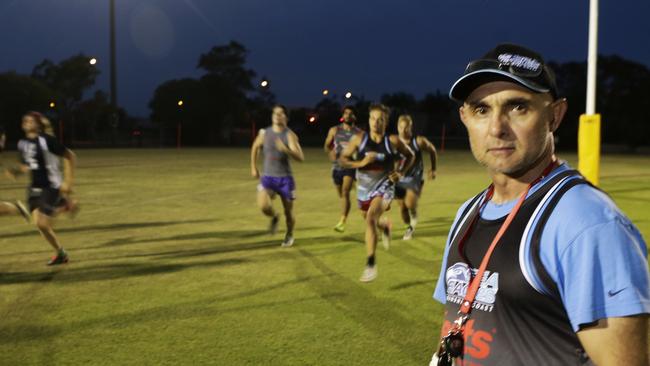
(402, 186)
(338, 174)
(46, 200)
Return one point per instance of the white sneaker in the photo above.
(288, 241)
(369, 274)
(408, 235)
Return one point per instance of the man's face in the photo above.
(404, 129)
(279, 117)
(348, 116)
(510, 127)
(377, 121)
(29, 124)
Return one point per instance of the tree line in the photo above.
(226, 104)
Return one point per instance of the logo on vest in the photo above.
(458, 277)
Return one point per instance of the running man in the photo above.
(409, 187)
(337, 139)
(279, 144)
(40, 155)
(378, 169)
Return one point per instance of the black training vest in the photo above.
(386, 157)
(511, 323)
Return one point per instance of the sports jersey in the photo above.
(569, 258)
(41, 155)
(276, 163)
(413, 178)
(341, 140)
(374, 176)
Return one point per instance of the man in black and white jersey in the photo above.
(40, 155)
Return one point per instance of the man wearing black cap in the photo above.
(562, 273)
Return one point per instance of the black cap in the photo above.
(506, 62)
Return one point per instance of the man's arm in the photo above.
(426, 145)
(403, 149)
(255, 150)
(617, 341)
(15, 171)
(345, 160)
(69, 165)
(328, 146)
(293, 150)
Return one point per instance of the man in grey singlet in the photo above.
(279, 144)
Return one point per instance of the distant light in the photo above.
(348, 95)
(52, 104)
(325, 92)
(180, 103)
(312, 119)
(264, 83)
(93, 61)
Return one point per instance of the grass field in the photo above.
(171, 264)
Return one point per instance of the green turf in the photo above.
(170, 264)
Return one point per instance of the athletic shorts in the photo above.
(46, 200)
(386, 191)
(413, 183)
(338, 174)
(284, 186)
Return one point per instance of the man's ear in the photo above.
(461, 113)
(560, 107)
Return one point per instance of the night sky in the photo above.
(369, 47)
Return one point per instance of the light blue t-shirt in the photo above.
(590, 249)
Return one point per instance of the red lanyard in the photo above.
(466, 306)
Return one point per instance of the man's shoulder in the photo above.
(584, 204)
(580, 212)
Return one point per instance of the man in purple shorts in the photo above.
(279, 144)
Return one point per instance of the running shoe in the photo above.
(369, 274)
(408, 235)
(288, 241)
(273, 227)
(24, 212)
(60, 258)
(340, 227)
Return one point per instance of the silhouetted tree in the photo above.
(223, 99)
(69, 79)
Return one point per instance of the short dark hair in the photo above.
(350, 108)
(281, 106)
(379, 107)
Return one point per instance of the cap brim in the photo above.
(464, 86)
